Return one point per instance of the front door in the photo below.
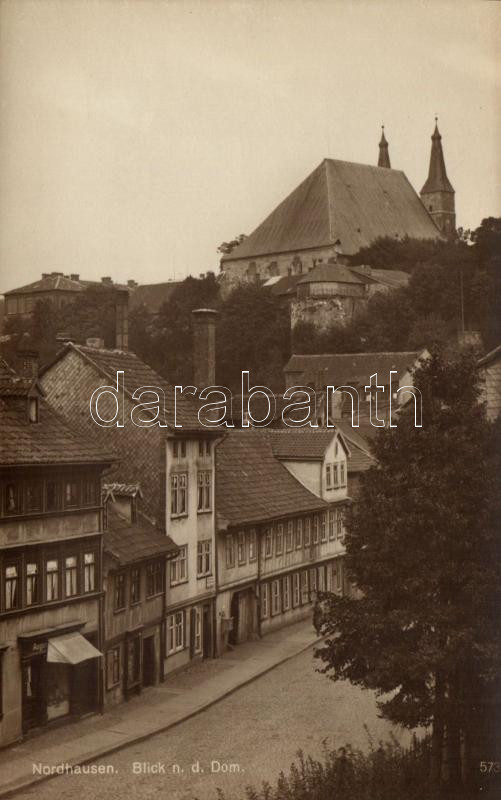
(84, 697)
(149, 661)
(34, 712)
(235, 617)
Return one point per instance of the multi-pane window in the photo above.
(252, 545)
(12, 598)
(268, 543)
(175, 632)
(12, 498)
(339, 524)
(89, 494)
(286, 592)
(204, 558)
(328, 476)
(33, 496)
(198, 630)
(89, 572)
(323, 527)
(179, 494)
(230, 551)
(289, 538)
(305, 595)
(336, 578)
(321, 578)
(154, 578)
(241, 547)
(204, 490)
(307, 532)
(119, 591)
(332, 529)
(70, 576)
(313, 582)
(296, 590)
(179, 567)
(203, 448)
(299, 534)
(70, 493)
(52, 496)
(342, 474)
(112, 667)
(316, 529)
(32, 584)
(135, 585)
(275, 597)
(279, 547)
(179, 449)
(52, 579)
(265, 600)
(335, 474)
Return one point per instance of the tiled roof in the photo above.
(252, 486)
(490, 357)
(284, 286)
(359, 460)
(137, 374)
(341, 201)
(16, 386)
(128, 543)
(335, 273)
(49, 283)
(350, 368)
(49, 441)
(152, 295)
(122, 489)
(300, 443)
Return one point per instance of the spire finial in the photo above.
(384, 158)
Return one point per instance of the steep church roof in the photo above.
(437, 180)
(341, 203)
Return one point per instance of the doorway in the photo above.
(207, 628)
(149, 661)
(34, 706)
(235, 618)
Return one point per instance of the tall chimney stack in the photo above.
(204, 347)
(121, 319)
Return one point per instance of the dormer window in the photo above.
(33, 409)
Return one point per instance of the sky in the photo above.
(137, 136)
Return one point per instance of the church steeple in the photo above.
(437, 194)
(384, 156)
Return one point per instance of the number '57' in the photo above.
(490, 766)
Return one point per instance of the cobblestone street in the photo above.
(257, 730)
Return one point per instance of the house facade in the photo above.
(51, 556)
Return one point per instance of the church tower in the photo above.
(437, 194)
(384, 156)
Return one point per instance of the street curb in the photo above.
(26, 783)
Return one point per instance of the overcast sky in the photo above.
(136, 136)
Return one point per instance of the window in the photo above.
(252, 545)
(70, 494)
(289, 539)
(204, 558)
(179, 449)
(336, 477)
(328, 476)
(313, 582)
(175, 632)
(52, 496)
(307, 532)
(296, 590)
(268, 543)
(89, 493)
(323, 527)
(32, 584)
(299, 534)
(12, 598)
(119, 591)
(265, 600)
(33, 409)
(305, 595)
(336, 578)
(198, 630)
(154, 578)
(342, 474)
(207, 448)
(204, 490)
(332, 529)
(241, 548)
(12, 498)
(70, 576)
(286, 593)
(135, 585)
(279, 540)
(179, 494)
(230, 551)
(89, 572)
(321, 579)
(33, 497)
(339, 524)
(201, 447)
(275, 597)
(316, 529)
(52, 579)
(112, 667)
(179, 567)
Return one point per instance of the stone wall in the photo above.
(322, 312)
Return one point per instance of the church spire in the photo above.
(384, 156)
(437, 194)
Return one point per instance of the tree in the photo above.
(423, 551)
(225, 248)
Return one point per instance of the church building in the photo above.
(340, 208)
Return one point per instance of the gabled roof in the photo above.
(152, 295)
(493, 355)
(341, 369)
(252, 486)
(136, 374)
(336, 273)
(283, 285)
(49, 283)
(129, 543)
(394, 278)
(303, 444)
(341, 203)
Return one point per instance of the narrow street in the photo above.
(246, 738)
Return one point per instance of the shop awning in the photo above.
(72, 648)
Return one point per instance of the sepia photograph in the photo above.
(250, 399)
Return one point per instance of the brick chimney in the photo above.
(204, 347)
(121, 319)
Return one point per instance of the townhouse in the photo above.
(50, 564)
